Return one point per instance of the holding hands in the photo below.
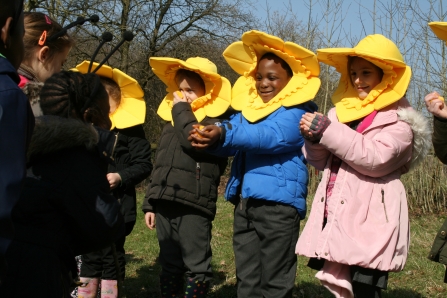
(203, 137)
(435, 104)
(313, 125)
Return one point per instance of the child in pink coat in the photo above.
(358, 228)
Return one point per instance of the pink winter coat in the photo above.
(367, 222)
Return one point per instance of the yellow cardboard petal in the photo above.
(217, 96)
(380, 51)
(243, 57)
(132, 108)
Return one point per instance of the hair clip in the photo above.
(43, 38)
(48, 20)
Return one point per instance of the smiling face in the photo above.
(364, 76)
(271, 76)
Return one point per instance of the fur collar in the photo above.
(52, 133)
(421, 134)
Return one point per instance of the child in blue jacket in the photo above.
(268, 182)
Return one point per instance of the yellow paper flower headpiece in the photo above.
(217, 96)
(132, 108)
(440, 29)
(243, 57)
(383, 53)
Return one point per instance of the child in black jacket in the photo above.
(183, 190)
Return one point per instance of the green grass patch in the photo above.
(420, 278)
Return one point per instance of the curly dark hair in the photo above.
(69, 94)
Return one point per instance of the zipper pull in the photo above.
(383, 194)
(197, 170)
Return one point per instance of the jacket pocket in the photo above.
(384, 204)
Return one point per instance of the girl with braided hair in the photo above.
(66, 208)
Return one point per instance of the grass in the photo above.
(420, 278)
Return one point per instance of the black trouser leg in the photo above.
(265, 235)
(362, 290)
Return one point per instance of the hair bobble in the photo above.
(43, 38)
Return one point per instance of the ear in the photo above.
(87, 116)
(42, 55)
(5, 33)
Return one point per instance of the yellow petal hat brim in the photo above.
(243, 57)
(440, 29)
(132, 108)
(383, 53)
(217, 96)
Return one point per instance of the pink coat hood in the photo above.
(367, 222)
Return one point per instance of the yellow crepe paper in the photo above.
(132, 108)
(380, 51)
(243, 57)
(217, 96)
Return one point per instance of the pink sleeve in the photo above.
(315, 153)
(387, 151)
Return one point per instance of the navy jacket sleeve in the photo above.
(139, 165)
(16, 123)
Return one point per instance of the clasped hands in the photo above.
(313, 125)
(205, 137)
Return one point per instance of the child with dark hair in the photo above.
(66, 208)
(132, 164)
(268, 182)
(183, 190)
(16, 119)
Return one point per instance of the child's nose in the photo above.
(264, 83)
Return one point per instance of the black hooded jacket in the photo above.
(181, 173)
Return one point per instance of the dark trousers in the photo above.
(184, 236)
(265, 235)
(101, 263)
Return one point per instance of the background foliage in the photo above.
(186, 28)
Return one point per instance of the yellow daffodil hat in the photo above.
(383, 53)
(243, 57)
(217, 96)
(132, 108)
(440, 29)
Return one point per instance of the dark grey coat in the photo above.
(181, 173)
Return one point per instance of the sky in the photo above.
(356, 14)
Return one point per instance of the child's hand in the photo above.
(205, 137)
(305, 122)
(179, 96)
(149, 218)
(114, 180)
(435, 105)
(312, 126)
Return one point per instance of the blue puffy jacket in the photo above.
(274, 168)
